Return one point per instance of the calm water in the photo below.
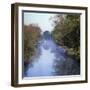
(51, 60)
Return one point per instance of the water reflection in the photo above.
(66, 66)
(51, 60)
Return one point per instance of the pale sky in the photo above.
(42, 19)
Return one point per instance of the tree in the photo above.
(32, 34)
(67, 32)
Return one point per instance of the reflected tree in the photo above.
(66, 66)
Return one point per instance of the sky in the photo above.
(42, 19)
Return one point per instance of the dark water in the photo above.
(51, 60)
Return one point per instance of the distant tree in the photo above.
(47, 35)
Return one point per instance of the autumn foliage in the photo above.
(31, 36)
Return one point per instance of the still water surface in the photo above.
(51, 60)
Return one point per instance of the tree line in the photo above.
(66, 33)
(31, 37)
